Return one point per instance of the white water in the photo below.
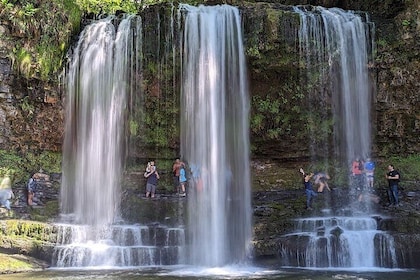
(336, 46)
(98, 82)
(118, 246)
(339, 242)
(215, 135)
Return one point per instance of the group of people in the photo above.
(362, 179)
(179, 178)
(363, 173)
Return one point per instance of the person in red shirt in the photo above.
(357, 173)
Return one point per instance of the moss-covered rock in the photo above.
(34, 239)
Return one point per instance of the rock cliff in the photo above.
(31, 109)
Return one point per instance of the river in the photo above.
(214, 273)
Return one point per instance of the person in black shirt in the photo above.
(393, 178)
(152, 176)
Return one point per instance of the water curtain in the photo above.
(97, 83)
(215, 134)
(336, 46)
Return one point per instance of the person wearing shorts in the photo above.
(152, 176)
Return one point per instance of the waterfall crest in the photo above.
(214, 134)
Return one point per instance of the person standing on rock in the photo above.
(176, 167)
(393, 177)
(310, 193)
(152, 176)
(357, 173)
(182, 180)
(369, 170)
(35, 179)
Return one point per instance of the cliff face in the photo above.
(31, 111)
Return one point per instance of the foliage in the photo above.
(275, 115)
(23, 59)
(108, 6)
(9, 263)
(27, 107)
(20, 166)
(41, 31)
(158, 124)
(134, 128)
(408, 166)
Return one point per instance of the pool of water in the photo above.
(213, 273)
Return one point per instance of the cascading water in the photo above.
(214, 136)
(335, 45)
(338, 242)
(98, 83)
(96, 92)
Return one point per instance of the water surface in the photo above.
(215, 273)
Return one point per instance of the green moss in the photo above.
(18, 229)
(44, 214)
(13, 263)
(20, 165)
(40, 48)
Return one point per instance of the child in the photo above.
(182, 179)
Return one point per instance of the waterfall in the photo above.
(336, 46)
(214, 134)
(97, 84)
(338, 242)
(118, 246)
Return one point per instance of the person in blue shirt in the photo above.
(182, 179)
(369, 170)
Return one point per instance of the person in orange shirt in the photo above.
(176, 167)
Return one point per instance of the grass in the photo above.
(14, 263)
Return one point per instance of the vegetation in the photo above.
(8, 263)
(41, 31)
(18, 167)
(108, 6)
